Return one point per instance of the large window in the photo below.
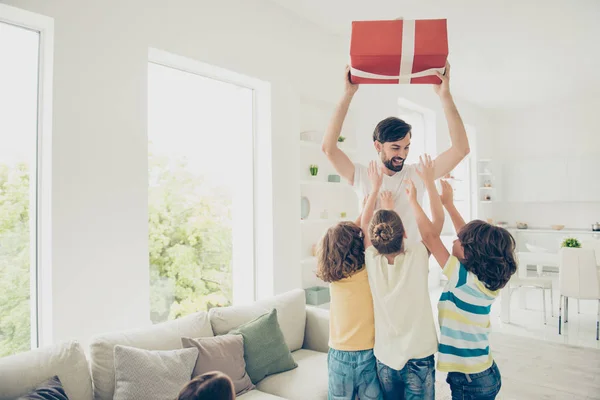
(461, 182)
(24, 98)
(422, 120)
(419, 136)
(464, 178)
(423, 140)
(201, 189)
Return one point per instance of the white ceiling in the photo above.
(504, 54)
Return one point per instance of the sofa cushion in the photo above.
(164, 336)
(224, 354)
(258, 395)
(291, 314)
(316, 335)
(265, 350)
(152, 375)
(308, 381)
(21, 373)
(51, 389)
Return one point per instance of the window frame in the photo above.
(262, 268)
(40, 186)
(429, 123)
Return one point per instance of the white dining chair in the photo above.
(537, 249)
(593, 244)
(578, 278)
(521, 280)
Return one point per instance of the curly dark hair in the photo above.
(489, 253)
(341, 252)
(386, 232)
(391, 129)
(211, 385)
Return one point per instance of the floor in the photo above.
(534, 369)
(533, 366)
(579, 331)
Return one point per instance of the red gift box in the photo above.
(398, 51)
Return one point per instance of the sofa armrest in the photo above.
(316, 332)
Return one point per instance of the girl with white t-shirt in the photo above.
(405, 335)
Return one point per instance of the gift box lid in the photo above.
(384, 38)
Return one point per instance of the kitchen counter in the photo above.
(549, 230)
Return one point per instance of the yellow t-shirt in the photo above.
(351, 321)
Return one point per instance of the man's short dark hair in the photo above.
(391, 129)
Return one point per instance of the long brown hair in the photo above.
(341, 252)
(489, 253)
(209, 386)
(387, 232)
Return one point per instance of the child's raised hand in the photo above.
(447, 195)
(426, 168)
(411, 191)
(387, 200)
(375, 175)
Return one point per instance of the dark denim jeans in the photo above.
(415, 381)
(480, 386)
(353, 373)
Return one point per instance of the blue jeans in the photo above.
(480, 386)
(415, 381)
(353, 373)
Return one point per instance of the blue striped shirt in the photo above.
(464, 317)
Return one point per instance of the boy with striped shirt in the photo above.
(481, 264)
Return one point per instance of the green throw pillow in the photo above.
(265, 350)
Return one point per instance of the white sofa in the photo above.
(306, 331)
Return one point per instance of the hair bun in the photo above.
(383, 232)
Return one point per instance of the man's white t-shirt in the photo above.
(396, 185)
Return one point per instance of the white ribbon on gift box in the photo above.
(406, 60)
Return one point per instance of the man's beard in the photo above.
(389, 163)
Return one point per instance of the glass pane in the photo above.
(200, 190)
(418, 139)
(461, 182)
(18, 141)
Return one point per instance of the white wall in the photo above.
(549, 134)
(375, 102)
(100, 259)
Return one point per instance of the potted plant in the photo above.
(314, 170)
(571, 243)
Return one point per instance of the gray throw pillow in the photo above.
(224, 354)
(265, 350)
(51, 389)
(149, 375)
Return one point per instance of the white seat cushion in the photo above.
(164, 336)
(291, 315)
(308, 381)
(21, 373)
(258, 395)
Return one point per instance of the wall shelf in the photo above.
(325, 183)
(317, 146)
(329, 199)
(322, 221)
